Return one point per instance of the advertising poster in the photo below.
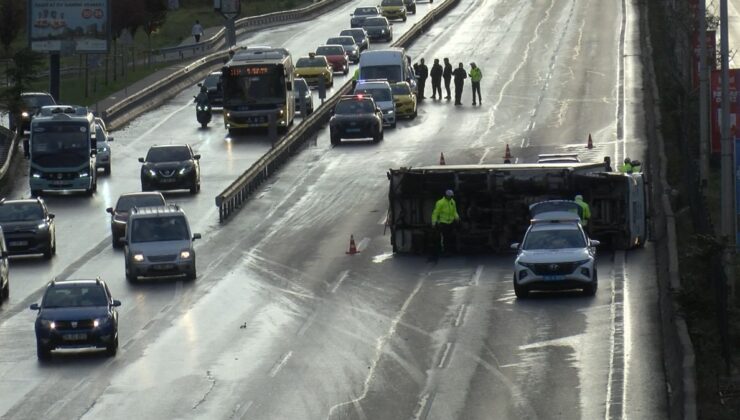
(69, 26)
(716, 105)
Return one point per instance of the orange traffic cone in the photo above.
(590, 144)
(352, 247)
(442, 159)
(507, 153)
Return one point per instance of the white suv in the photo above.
(382, 93)
(159, 243)
(556, 254)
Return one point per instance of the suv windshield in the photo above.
(37, 101)
(20, 212)
(554, 239)
(379, 94)
(125, 203)
(354, 107)
(63, 296)
(168, 154)
(156, 229)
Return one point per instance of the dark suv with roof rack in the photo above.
(28, 227)
(76, 314)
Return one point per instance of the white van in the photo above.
(391, 64)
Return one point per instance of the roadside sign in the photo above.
(229, 9)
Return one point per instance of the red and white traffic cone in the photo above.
(352, 247)
(442, 159)
(507, 155)
(590, 144)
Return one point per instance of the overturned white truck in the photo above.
(493, 203)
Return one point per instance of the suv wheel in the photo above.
(112, 349)
(194, 189)
(335, 140)
(49, 251)
(130, 276)
(521, 292)
(591, 289)
(6, 291)
(115, 242)
(106, 169)
(42, 352)
(192, 274)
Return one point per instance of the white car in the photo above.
(556, 254)
(103, 139)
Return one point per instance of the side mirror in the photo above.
(196, 236)
(52, 215)
(109, 210)
(116, 303)
(196, 157)
(594, 242)
(34, 307)
(110, 138)
(515, 246)
(141, 160)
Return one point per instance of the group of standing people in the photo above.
(446, 73)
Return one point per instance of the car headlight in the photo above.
(281, 112)
(382, 31)
(151, 172)
(580, 263)
(35, 174)
(185, 170)
(25, 114)
(524, 264)
(185, 254)
(101, 321)
(138, 257)
(51, 325)
(42, 226)
(84, 174)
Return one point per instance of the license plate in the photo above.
(163, 266)
(17, 243)
(167, 180)
(353, 130)
(75, 337)
(59, 182)
(554, 278)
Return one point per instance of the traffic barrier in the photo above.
(352, 247)
(238, 192)
(590, 144)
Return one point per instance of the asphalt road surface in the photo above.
(282, 324)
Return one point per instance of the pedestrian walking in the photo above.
(197, 31)
(475, 76)
(436, 75)
(422, 72)
(444, 218)
(460, 75)
(447, 75)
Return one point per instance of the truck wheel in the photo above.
(377, 137)
(404, 18)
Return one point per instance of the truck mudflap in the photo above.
(493, 203)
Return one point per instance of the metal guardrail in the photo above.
(10, 140)
(248, 24)
(231, 199)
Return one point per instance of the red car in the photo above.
(336, 56)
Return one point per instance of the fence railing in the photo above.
(233, 197)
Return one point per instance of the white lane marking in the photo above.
(460, 315)
(445, 355)
(342, 276)
(363, 244)
(240, 410)
(380, 344)
(425, 405)
(615, 386)
(306, 324)
(475, 281)
(383, 220)
(274, 371)
(160, 123)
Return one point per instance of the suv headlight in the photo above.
(185, 170)
(42, 226)
(98, 322)
(580, 263)
(527, 265)
(35, 174)
(25, 114)
(185, 254)
(50, 325)
(138, 257)
(150, 172)
(84, 174)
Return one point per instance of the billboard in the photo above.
(69, 26)
(716, 105)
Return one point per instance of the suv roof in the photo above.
(22, 200)
(167, 210)
(68, 282)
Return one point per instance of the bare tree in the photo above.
(12, 21)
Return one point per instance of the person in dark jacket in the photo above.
(436, 75)
(447, 75)
(460, 75)
(422, 72)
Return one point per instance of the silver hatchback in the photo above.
(159, 243)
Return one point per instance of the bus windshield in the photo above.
(268, 87)
(64, 144)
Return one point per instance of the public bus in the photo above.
(258, 82)
(62, 148)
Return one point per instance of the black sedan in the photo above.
(28, 227)
(359, 35)
(356, 117)
(214, 87)
(172, 167)
(361, 14)
(119, 214)
(76, 314)
(378, 28)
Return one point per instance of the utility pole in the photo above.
(727, 167)
(703, 97)
(229, 9)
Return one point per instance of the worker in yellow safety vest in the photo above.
(627, 167)
(444, 218)
(585, 210)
